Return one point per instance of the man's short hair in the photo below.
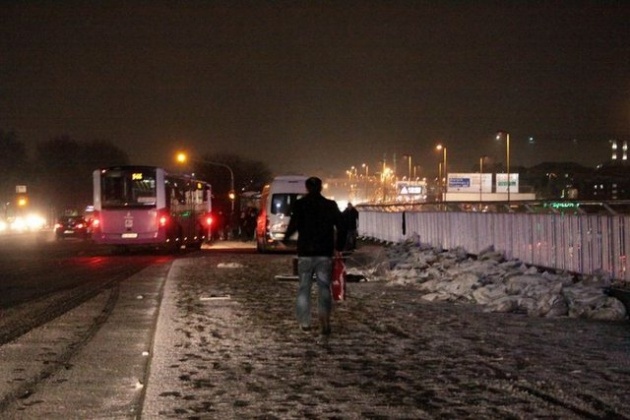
(313, 185)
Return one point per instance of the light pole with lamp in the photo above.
(500, 135)
(443, 170)
(364, 165)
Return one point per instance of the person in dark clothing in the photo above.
(350, 218)
(321, 236)
(248, 223)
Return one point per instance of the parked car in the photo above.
(72, 227)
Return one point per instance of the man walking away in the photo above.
(321, 235)
(350, 218)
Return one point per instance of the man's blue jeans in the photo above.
(321, 267)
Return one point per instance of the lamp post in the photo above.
(364, 165)
(481, 159)
(384, 179)
(182, 158)
(415, 171)
(500, 135)
(443, 179)
(440, 179)
(408, 157)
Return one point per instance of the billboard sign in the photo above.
(502, 183)
(469, 183)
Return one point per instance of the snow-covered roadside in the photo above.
(490, 280)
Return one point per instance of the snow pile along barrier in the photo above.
(498, 284)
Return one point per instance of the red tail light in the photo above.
(209, 220)
(163, 220)
(95, 223)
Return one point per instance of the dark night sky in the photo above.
(317, 87)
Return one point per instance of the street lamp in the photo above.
(416, 170)
(364, 165)
(500, 135)
(481, 159)
(408, 157)
(443, 168)
(387, 172)
(182, 158)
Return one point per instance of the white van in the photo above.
(276, 200)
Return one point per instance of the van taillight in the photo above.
(208, 220)
(96, 223)
(163, 220)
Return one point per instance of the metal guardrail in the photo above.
(584, 237)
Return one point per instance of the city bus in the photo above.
(147, 206)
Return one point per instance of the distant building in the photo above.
(609, 181)
(556, 180)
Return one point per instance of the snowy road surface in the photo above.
(227, 346)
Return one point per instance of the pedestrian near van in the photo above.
(350, 218)
(321, 236)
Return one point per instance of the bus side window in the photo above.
(207, 198)
(177, 197)
(169, 195)
(181, 195)
(198, 197)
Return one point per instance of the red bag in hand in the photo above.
(338, 285)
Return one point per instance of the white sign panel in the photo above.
(469, 183)
(502, 185)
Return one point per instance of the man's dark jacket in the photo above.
(315, 218)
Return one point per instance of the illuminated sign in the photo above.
(561, 205)
(136, 176)
(469, 182)
(410, 188)
(502, 183)
(458, 182)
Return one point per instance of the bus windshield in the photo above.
(128, 188)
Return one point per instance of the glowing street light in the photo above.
(181, 157)
(500, 135)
